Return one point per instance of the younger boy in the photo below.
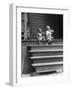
(40, 35)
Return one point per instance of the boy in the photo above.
(49, 34)
(40, 35)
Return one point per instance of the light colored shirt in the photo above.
(39, 36)
(48, 34)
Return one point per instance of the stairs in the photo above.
(46, 58)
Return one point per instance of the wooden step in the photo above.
(51, 53)
(45, 47)
(47, 60)
(44, 64)
(49, 68)
(57, 42)
(38, 57)
(46, 50)
(35, 42)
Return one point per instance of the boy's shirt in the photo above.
(39, 36)
(48, 34)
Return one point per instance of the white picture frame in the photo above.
(15, 46)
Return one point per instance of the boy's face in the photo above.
(48, 27)
(40, 30)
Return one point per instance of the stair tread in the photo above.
(47, 63)
(30, 40)
(41, 71)
(49, 50)
(48, 60)
(37, 57)
(49, 68)
(47, 45)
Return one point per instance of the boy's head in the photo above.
(40, 30)
(47, 27)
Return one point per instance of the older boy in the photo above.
(49, 34)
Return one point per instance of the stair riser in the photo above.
(49, 68)
(35, 42)
(46, 47)
(46, 53)
(61, 43)
(47, 60)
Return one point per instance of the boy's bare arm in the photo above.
(52, 31)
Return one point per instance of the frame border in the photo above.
(13, 79)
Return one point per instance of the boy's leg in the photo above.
(40, 42)
(47, 42)
(50, 41)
